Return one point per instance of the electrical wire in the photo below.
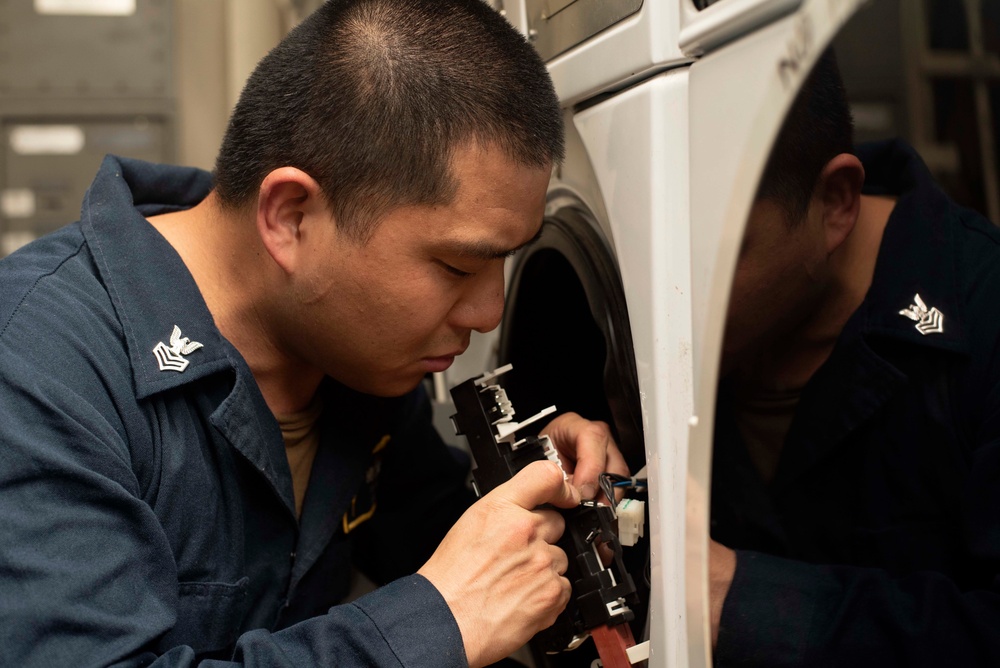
(611, 481)
(608, 481)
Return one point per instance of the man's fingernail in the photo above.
(588, 491)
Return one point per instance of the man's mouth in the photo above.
(438, 364)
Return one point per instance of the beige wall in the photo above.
(200, 74)
(218, 43)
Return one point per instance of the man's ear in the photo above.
(287, 196)
(838, 192)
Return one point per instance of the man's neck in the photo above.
(794, 358)
(231, 269)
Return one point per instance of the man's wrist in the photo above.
(721, 568)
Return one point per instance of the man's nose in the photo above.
(481, 307)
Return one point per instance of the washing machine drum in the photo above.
(566, 330)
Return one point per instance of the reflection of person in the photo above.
(857, 455)
(208, 395)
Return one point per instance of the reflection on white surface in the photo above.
(47, 139)
(722, 23)
(87, 7)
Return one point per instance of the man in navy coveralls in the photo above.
(210, 389)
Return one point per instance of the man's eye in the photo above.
(455, 271)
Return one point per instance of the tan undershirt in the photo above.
(301, 433)
(764, 419)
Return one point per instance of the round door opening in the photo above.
(566, 331)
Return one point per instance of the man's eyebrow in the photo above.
(484, 250)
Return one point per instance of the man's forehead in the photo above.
(477, 166)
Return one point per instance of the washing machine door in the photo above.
(739, 95)
(677, 159)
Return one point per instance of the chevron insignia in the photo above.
(172, 357)
(929, 321)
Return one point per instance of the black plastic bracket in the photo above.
(602, 592)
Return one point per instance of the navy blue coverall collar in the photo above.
(149, 313)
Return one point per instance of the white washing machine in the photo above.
(617, 311)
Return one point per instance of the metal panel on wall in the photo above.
(49, 53)
(48, 166)
(555, 26)
(78, 79)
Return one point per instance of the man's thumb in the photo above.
(539, 483)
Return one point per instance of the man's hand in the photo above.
(587, 450)
(721, 568)
(498, 568)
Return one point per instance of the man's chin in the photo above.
(388, 388)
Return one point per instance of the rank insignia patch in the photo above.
(172, 357)
(929, 321)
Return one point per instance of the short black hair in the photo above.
(372, 97)
(818, 128)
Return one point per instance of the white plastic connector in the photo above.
(552, 454)
(631, 521)
(506, 429)
(637, 653)
(616, 607)
(487, 378)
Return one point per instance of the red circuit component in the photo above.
(612, 643)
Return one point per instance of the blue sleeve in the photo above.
(86, 576)
(378, 629)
